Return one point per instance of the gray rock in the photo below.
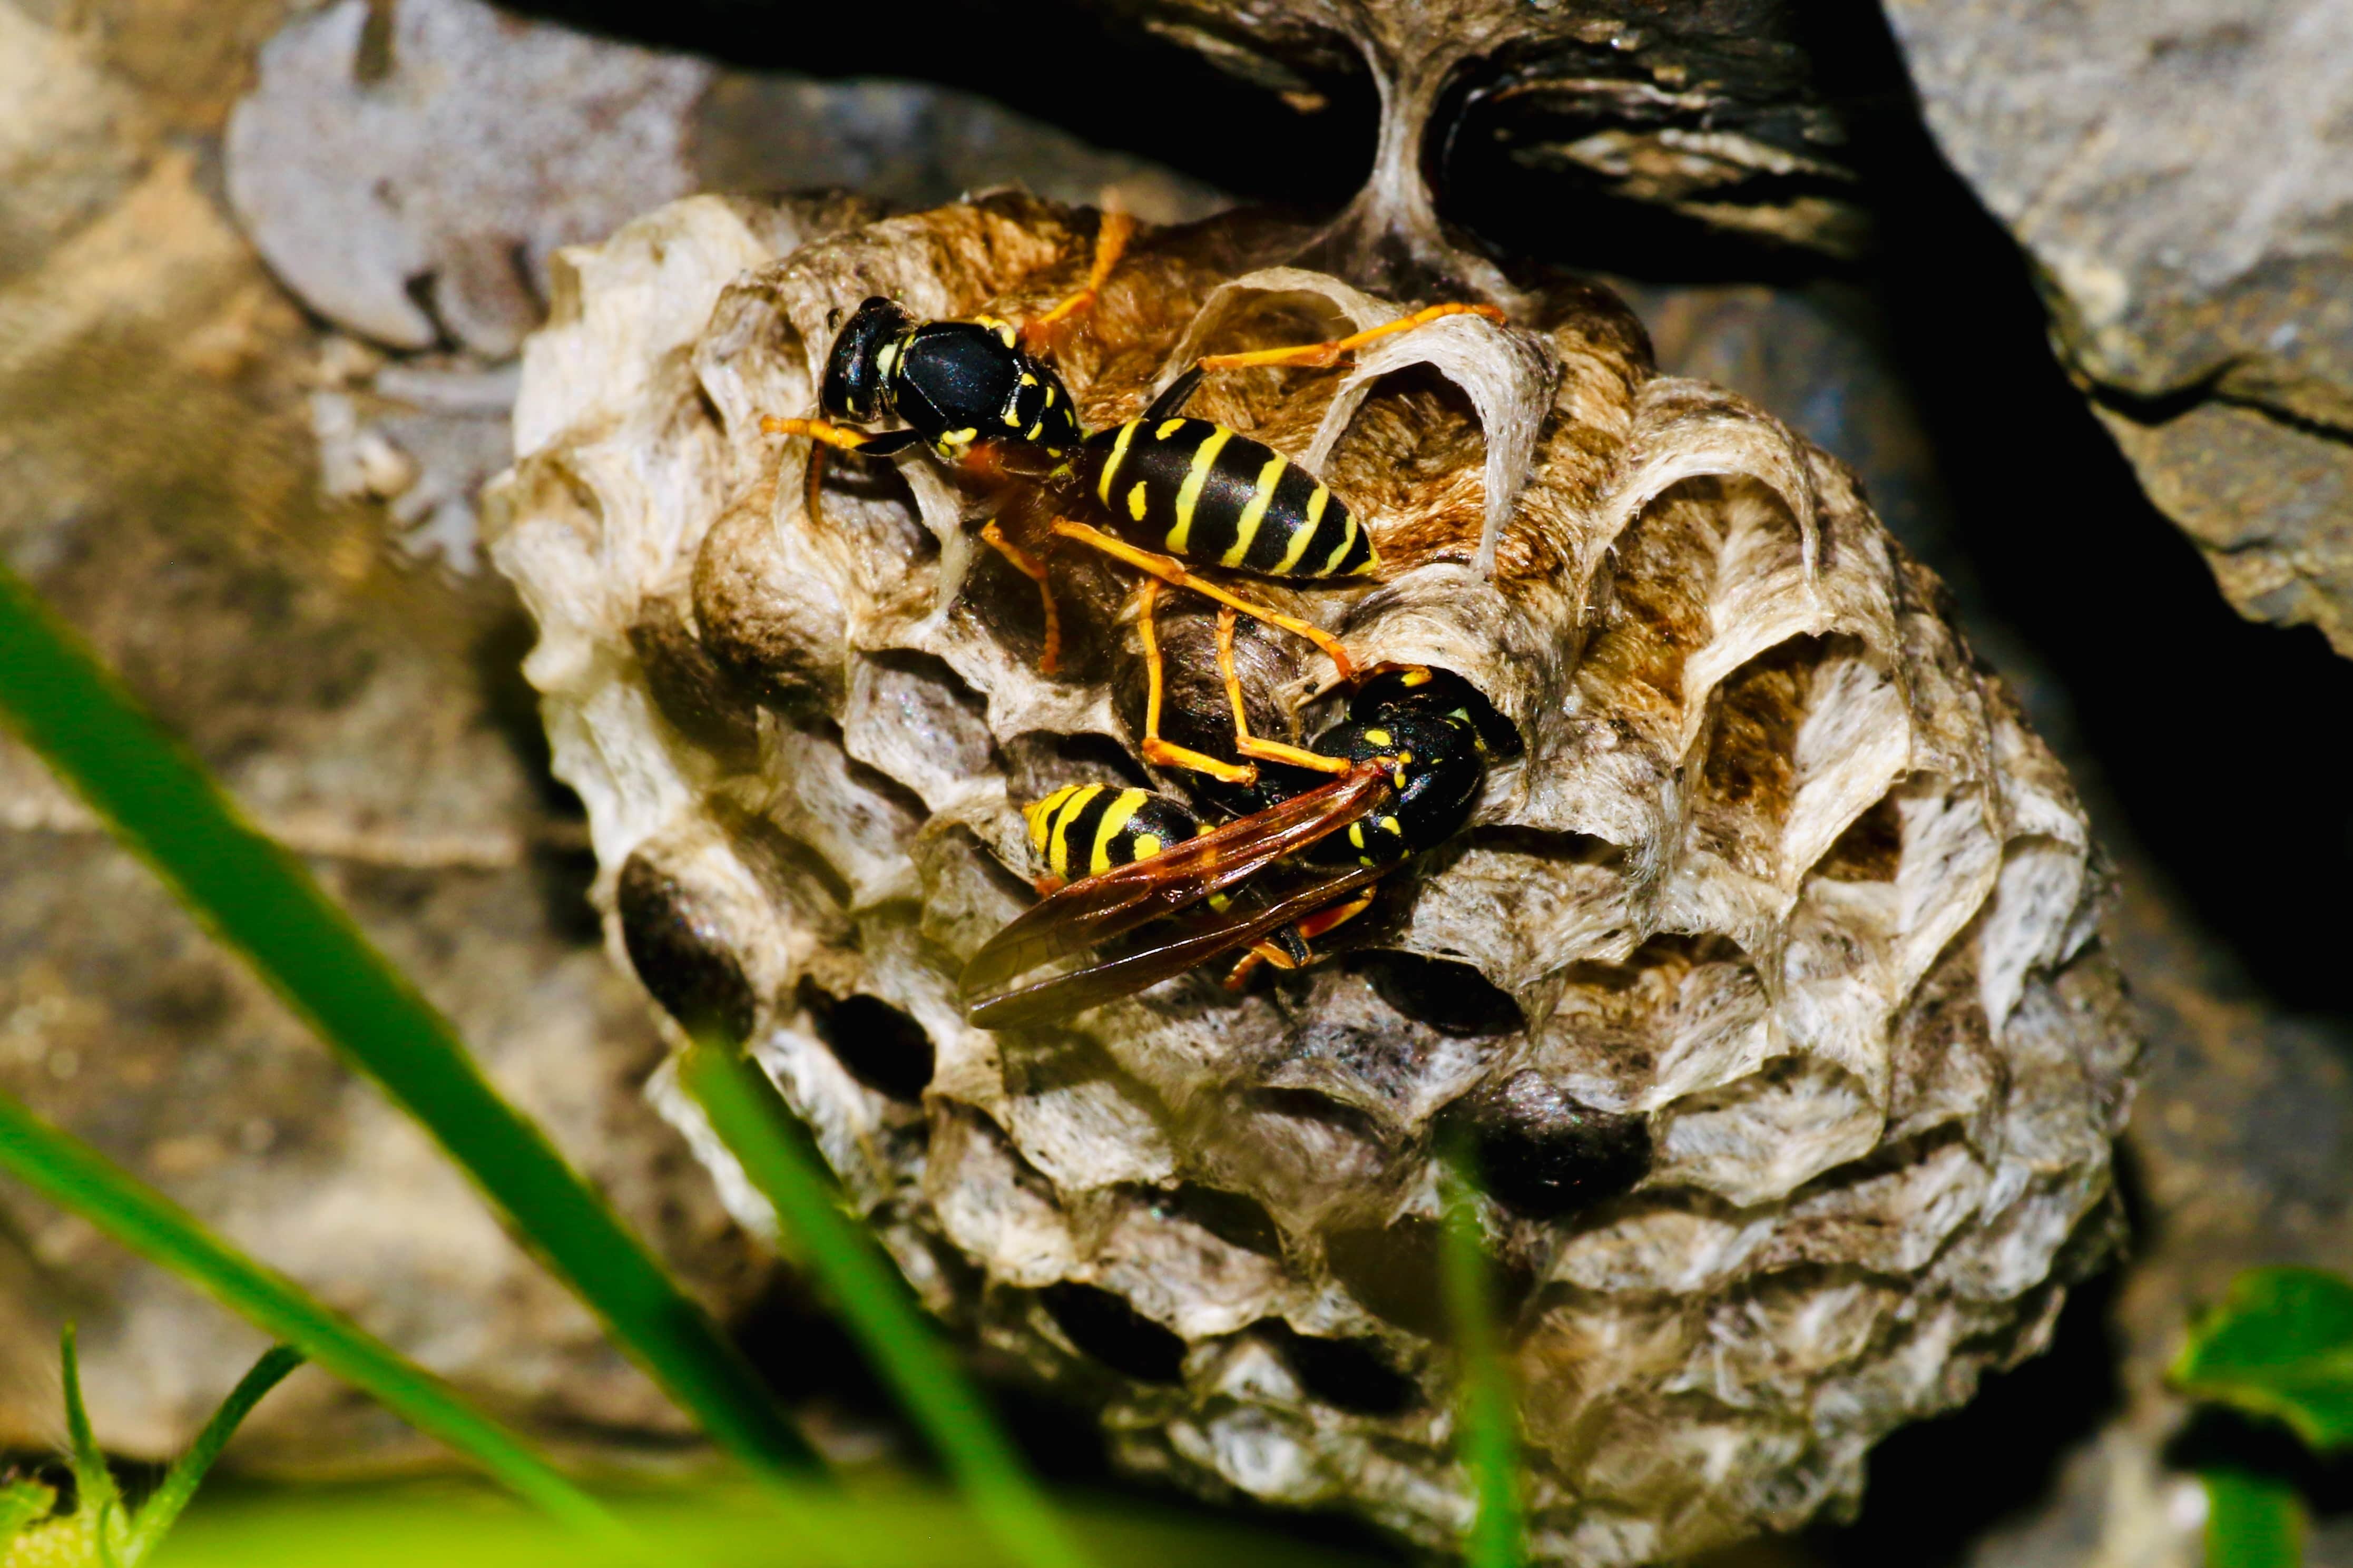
(2175, 172)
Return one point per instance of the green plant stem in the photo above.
(262, 901)
(1489, 1431)
(164, 1505)
(76, 1177)
(95, 1494)
(751, 1120)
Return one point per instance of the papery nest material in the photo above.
(1764, 990)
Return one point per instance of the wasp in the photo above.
(1162, 493)
(1414, 745)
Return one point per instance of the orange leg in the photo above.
(1030, 566)
(1246, 743)
(1308, 929)
(1111, 244)
(1157, 751)
(1330, 353)
(821, 430)
(1171, 570)
(813, 484)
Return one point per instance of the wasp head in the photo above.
(858, 371)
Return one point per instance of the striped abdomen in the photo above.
(1214, 496)
(1084, 830)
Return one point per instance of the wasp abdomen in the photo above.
(1210, 495)
(1084, 830)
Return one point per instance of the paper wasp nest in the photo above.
(1765, 987)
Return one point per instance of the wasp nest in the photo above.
(1763, 991)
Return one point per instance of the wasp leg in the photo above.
(1030, 566)
(1330, 353)
(1111, 244)
(1171, 570)
(1306, 929)
(1157, 751)
(840, 436)
(1245, 743)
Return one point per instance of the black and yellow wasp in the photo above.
(1415, 746)
(1168, 495)
(1163, 493)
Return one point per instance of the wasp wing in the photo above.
(1199, 941)
(1092, 911)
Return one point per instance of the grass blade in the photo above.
(96, 1497)
(263, 902)
(1488, 1443)
(750, 1118)
(162, 1508)
(75, 1176)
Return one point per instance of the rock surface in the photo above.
(2176, 172)
(162, 492)
(1784, 891)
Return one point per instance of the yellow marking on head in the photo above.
(1246, 529)
(1028, 380)
(1414, 676)
(1397, 776)
(1135, 501)
(1004, 330)
(1332, 561)
(1013, 413)
(1380, 737)
(963, 437)
(1113, 819)
(1057, 843)
(1189, 492)
(1031, 434)
(886, 359)
(1168, 427)
(1389, 825)
(1049, 394)
(1111, 466)
(1356, 833)
(1147, 845)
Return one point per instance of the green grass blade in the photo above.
(263, 902)
(2252, 1522)
(95, 1493)
(162, 1509)
(75, 1176)
(751, 1120)
(1488, 1441)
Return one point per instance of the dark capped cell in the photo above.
(1350, 1374)
(678, 956)
(1452, 999)
(1104, 1325)
(700, 700)
(881, 1047)
(1537, 1150)
(1231, 1217)
(1393, 1270)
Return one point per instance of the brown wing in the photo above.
(1092, 911)
(1195, 942)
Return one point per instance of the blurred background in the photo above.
(2068, 287)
